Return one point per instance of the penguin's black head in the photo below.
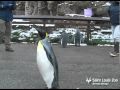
(42, 34)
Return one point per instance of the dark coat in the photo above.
(64, 39)
(77, 37)
(114, 13)
(6, 8)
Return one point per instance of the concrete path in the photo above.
(18, 70)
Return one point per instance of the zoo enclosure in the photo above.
(63, 18)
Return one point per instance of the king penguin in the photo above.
(47, 62)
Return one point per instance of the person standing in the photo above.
(77, 38)
(114, 14)
(64, 39)
(6, 17)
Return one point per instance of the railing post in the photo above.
(44, 25)
(88, 31)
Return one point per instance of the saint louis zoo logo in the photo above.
(88, 80)
(101, 81)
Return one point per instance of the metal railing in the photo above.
(75, 18)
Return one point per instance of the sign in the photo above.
(88, 12)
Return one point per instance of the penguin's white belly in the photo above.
(45, 67)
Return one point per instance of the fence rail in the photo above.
(61, 18)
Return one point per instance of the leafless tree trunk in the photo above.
(52, 7)
(36, 8)
(31, 8)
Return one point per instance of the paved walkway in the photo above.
(19, 70)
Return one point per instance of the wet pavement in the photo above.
(18, 70)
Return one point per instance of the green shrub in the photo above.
(55, 40)
(71, 39)
(98, 41)
(93, 42)
(15, 37)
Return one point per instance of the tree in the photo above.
(61, 7)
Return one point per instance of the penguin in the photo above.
(47, 62)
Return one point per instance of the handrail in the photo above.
(60, 18)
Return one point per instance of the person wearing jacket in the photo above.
(77, 38)
(6, 17)
(114, 14)
(64, 39)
